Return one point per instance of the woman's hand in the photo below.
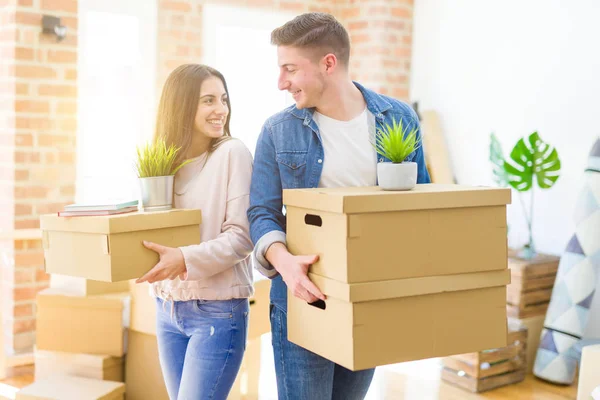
(170, 266)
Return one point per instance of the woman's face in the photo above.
(212, 109)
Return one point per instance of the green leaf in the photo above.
(497, 159)
(395, 142)
(156, 159)
(532, 158)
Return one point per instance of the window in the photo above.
(237, 42)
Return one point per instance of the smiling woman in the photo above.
(206, 284)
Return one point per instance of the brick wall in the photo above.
(381, 36)
(38, 144)
(380, 31)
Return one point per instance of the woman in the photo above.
(202, 290)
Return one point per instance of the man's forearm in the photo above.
(276, 253)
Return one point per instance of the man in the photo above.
(322, 141)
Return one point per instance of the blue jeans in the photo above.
(304, 375)
(201, 345)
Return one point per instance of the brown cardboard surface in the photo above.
(143, 375)
(63, 387)
(143, 308)
(358, 200)
(120, 223)
(85, 287)
(394, 235)
(48, 363)
(382, 290)
(589, 372)
(90, 325)
(259, 322)
(109, 248)
(372, 333)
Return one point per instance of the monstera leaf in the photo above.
(529, 159)
(497, 160)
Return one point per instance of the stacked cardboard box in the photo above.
(532, 281)
(247, 381)
(489, 369)
(109, 248)
(408, 275)
(80, 341)
(83, 319)
(143, 376)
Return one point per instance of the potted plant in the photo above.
(395, 142)
(530, 160)
(155, 165)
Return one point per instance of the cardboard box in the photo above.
(589, 372)
(260, 321)
(63, 387)
(85, 287)
(143, 375)
(109, 248)
(143, 308)
(90, 325)
(105, 368)
(372, 324)
(365, 234)
(534, 328)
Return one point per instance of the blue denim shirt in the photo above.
(289, 155)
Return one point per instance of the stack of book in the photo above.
(108, 208)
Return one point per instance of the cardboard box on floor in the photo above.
(589, 372)
(106, 368)
(84, 287)
(90, 325)
(408, 275)
(64, 387)
(143, 308)
(259, 322)
(109, 248)
(143, 376)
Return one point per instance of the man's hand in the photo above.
(294, 271)
(170, 266)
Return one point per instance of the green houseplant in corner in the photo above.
(396, 142)
(156, 169)
(531, 160)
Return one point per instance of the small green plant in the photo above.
(395, 142)
(156, 159)
(531, 159)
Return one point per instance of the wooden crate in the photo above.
(532, 281)
(489, 369)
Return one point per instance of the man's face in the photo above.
(302, 77)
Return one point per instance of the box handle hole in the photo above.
(319, 304)
(311, 219)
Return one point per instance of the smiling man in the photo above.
(321, 141)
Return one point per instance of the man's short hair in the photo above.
(318, 32)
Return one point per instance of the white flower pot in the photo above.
(401, 176)
(157, 193)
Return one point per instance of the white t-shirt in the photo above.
(349, 159)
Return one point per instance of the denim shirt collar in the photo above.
(376, 104)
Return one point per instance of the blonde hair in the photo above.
(179, 104)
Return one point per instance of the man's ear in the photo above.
(330, 62)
